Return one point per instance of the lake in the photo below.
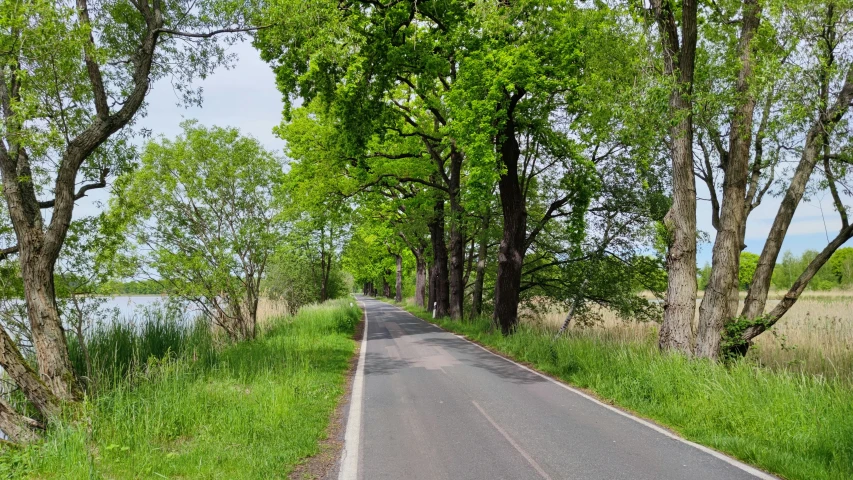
(127, 305)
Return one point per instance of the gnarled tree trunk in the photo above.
(17, 427)
(513, 242)
(457, 238)
(26, 378)
(398, 287)
(439, 288)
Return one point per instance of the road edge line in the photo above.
(719, 455)
(352, 436)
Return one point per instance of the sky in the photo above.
(814, 221)
(246, 97)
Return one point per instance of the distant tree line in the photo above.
(836, 273)
(133, 287)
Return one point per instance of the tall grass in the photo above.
(815, 337)
(792, 424)
(120, 349)
(250, 410)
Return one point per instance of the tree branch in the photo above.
(210, 34)
(102, 109)
(4, 253)
(101, 183)
(555, 206)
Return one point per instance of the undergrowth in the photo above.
(250, 410)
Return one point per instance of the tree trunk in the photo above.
(430, 300)
(439, 297)
(25, 377)
(457, 238)
(17, 427)
(81, 340)
(797, 288)
(512, 247)
(37, 258)
(48, 335)
(716, 305)
(479, 277)
(398, 293)
(324, 281)
(756, 297)
(386, 287)
(680, 305)
(420, 282)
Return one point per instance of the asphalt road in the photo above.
(430, 405)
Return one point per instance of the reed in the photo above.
(249, 410)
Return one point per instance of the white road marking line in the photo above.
(515, 445)
(731, 461)
(352, 437)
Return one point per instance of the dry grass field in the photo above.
(814, 337)
(269, 309)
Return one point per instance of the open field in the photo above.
(815, 336)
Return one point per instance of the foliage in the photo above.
(203, 206)
(133, 287)
(746, 270)
(305, 267)
(832, 275)
(293, 276)
(398, 108)
(732, 345)
(841, 266)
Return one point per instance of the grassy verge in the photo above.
(794, 425)
(251, 410)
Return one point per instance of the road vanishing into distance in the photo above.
(428, 404)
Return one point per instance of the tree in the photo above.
(716, 307)
(203, 206)
(841, 265)
(427, 94)
(513, 80)
(748, 264)
(795, 71)
(393, 108)
(824, 29)
(678, 37)
(71, 80)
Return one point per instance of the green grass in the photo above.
(252, 410)
(794, 425)
(119, 350)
